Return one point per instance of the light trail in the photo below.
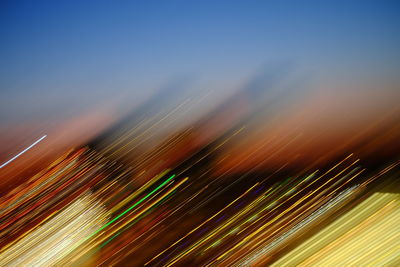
(23, 151)
(131, 207)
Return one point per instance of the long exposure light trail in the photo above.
(242, 152)
(133, 206)
(22, 152)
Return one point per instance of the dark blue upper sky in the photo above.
(65, 54)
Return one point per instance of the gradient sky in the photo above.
(61, 56)
(62, 60)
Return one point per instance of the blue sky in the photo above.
(60, 56)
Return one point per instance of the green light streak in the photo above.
(109, 240)
(131, 207)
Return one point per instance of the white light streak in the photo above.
(23, 151)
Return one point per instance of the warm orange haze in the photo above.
(203, 134)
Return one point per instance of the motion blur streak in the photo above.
(177, 206)
(373, 222)
(199, 133)
(23, 151)
(47, 244)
